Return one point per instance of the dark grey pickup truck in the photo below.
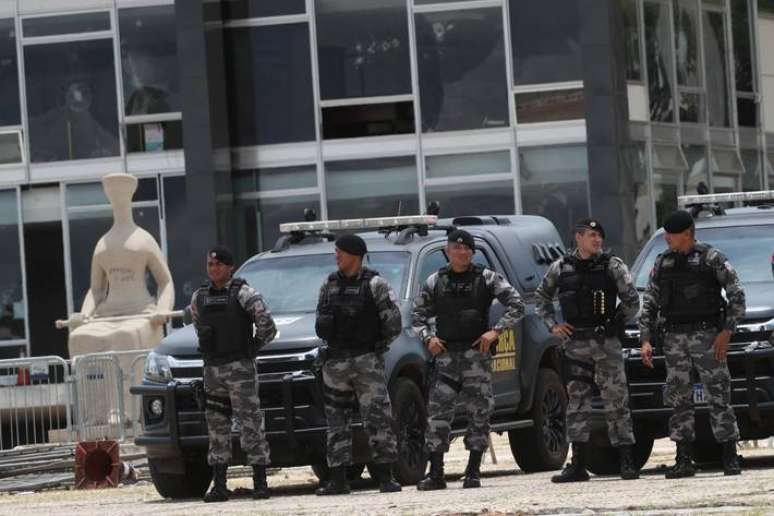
(530, 398)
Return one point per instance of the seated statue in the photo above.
(118, 287)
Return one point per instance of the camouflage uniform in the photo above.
(360, 378)
(594, 360)
(462, 375)
(231, 386)
(685, 350)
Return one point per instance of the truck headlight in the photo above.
(157, 368)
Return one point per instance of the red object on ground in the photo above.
(97, 465)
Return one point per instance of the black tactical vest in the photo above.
(356, 318)
(225, 330)
(587, 291)
(462, 305)
(689, 291)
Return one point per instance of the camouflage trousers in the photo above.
(233, 388)
(462, 378)
(589, 362)
(360, 379)
(684, 352)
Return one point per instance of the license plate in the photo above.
(699, 395)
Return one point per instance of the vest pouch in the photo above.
(325, 325)
(471, 320)
(570, 309)
(206, 336)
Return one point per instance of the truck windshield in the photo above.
(292, 283)
(749, 249)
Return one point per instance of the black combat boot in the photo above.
(575, 471)
(683, 462)
(628, 471)
(730, 459)
(435, 479)
(338, 483)
(473, 471)
(260, 487)
(218, 493)
(383, 475)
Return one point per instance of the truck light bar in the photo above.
(352, 224)
(687, 200)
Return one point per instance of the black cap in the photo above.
(352, 244)
(222, 254)
(678, 222)
(590, 224)
(460, 236)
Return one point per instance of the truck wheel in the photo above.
(323, 473)
(603, 460)
(193, 483)
(410, 417)
(543, 446)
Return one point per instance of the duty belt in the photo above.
(595, 332)
(690, 326)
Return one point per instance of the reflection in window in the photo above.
(464, 165)
(635, 161)
(741, 30)
(259, 8)
(12, 311)
(658, 47)
(154, 136)
(66, 24)
(666, 186)
(149, 60)
(9, 75)
(187, 271)
(554, 184)
(462, 79)
(632, 40)
(698, 171)
(363, 48)
(378, 119)
(715, 68)
(753, 171)
(546, 41)
(258, 220)
(687, 43)
(372, 188)
(280, 178)
(10, 148)
(494, 198)
(269, 77)
(550, 106)
(71, 100)
(691, 107)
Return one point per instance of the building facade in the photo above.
(237, 115)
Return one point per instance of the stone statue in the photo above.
(118, 313)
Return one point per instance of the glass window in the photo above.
(377, 119)
(258, 220)
(635, 160)
(187, 272)
(458, 200)
(698, 171)
(9, 75)
(372, 188)
(687, 53)
(149, 60)
(279, 178)
(66, 24)
(461, 61)
(92, 194)
(10, 148)
(270, 85)
(692, 107)
(716, 69)
(747, 111)
(555, 184)
(463, 165)
(154, 136)
(753, 170)
(545, 38)
(658, 46)
(666, 185)
(741, 30)
(431, 262)
(71, 100)
(632, 40)
(11, 294)
(550, 106)
(260, 8)
(363, 48)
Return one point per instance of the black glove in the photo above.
(206, 339)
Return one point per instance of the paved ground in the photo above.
(506, 491)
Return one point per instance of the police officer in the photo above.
(588, 283)
(358, 317)
(686, 290)
(459, 297)
(224, 310)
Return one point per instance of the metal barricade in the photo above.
(103, 406)
(36, 401)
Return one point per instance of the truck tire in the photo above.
(410, 417)
(603, 459)
(322, 472)
(193, 483)
(543, 446)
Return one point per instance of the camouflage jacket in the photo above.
(726, 276)
(252, 303)
(424, 304)
(386, 304)
(546, 291)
